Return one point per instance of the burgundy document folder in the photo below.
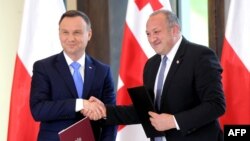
(80, 131)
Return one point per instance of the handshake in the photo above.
(94, 109)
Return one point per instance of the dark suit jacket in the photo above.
(192, 93)
(53, 96)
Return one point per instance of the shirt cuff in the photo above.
(79, 105)
(176, 124)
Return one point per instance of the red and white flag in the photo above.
(135, 52)
(39, 38)
(235, 61)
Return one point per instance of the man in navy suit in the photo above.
(53, 98)
(192, 98)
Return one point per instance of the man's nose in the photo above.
(152, 39)
(71, 37)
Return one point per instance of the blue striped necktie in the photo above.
(160, 83)
(159, 88)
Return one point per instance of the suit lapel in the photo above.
(64, 71)
(155, 67)
(88, 76)
(173, 68)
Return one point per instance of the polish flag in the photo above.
(135, 52)
(38, 39)
(235, 61)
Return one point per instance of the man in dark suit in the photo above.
(191, 99)
(54, 99)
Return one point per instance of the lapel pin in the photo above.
(90, 67)
(177, 62)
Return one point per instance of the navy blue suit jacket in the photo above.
(53, 96)
(192, 92)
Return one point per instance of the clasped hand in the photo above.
(94, 109)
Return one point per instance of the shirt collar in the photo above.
(80, 61)
(173, 51)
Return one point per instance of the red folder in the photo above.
(80, 131)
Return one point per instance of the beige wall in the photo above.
(71, 4)
(10, 25)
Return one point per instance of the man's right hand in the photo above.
(94, 108)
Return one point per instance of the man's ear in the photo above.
(90, 34)
(176, 30)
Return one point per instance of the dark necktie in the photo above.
(159, 88)
(77, 78)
